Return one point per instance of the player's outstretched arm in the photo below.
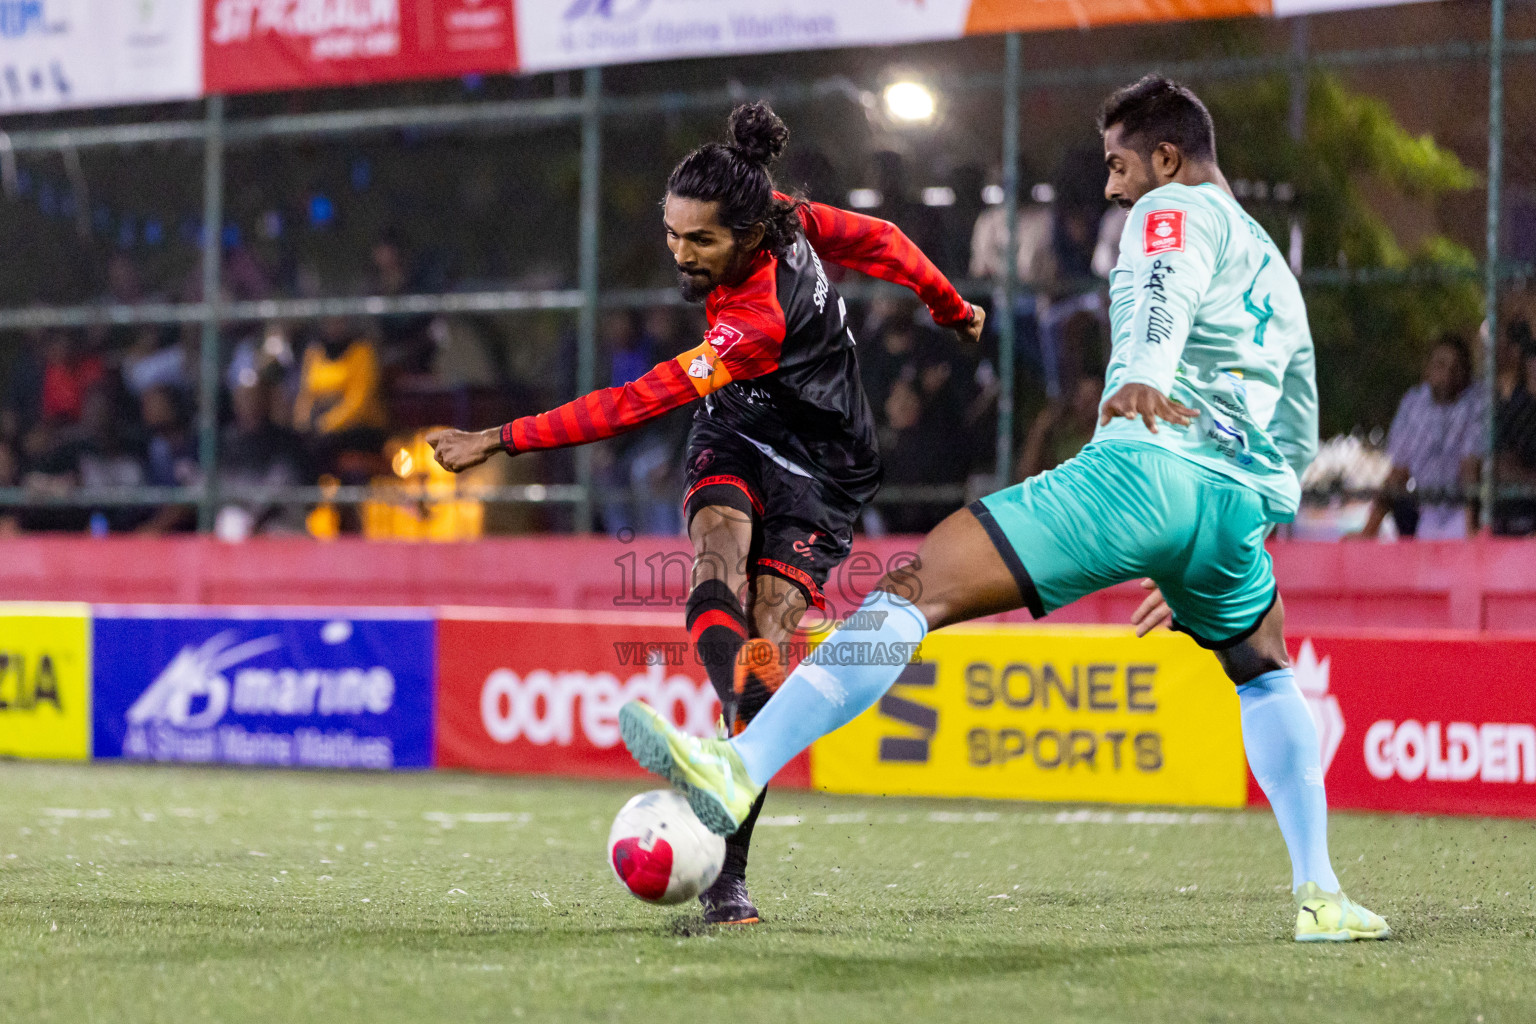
(880, 249)
(592, 417)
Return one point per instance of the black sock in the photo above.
(718, 627)
(738, 842)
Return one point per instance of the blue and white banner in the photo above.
(91, 53)
(332, 689)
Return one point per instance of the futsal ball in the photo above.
(661, 851)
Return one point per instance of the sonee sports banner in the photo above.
(1077, 713)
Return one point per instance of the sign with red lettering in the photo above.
(1444, 724)
(538, 692)
(256, 45)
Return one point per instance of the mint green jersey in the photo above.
(1204, 308)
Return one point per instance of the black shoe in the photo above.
(727, 902)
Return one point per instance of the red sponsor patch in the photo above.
(1165, 231)
(722, 337)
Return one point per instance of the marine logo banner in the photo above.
(1047, 713)
(341, 689)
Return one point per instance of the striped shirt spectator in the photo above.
(1437, 438)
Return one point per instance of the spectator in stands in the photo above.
(1515, 442)
(925, 440)
(1061, 429)
(643, 462)
(255, 451)
(1437, 439)
(155, 359)
(101, 451)
(883, 364)
(405, 339)
(69, 372)
(10, 476)
(340, 405)
(170, 455)
(22, 406)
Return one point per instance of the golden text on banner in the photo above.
(1047, 713)
(45, 671)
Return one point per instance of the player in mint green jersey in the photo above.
(1210, 419)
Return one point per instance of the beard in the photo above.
(695, 288)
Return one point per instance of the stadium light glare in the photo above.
(910, 102)
(865, 198)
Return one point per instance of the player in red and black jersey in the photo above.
(782, 455)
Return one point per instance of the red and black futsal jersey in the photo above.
(785, 422)
(777, 363)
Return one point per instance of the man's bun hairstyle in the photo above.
(736, 176)
(757, 133)
(1154, 110)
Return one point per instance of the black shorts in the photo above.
(802, 526)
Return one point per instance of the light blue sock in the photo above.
(843, 676)
(1283, 751)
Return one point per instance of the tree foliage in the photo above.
(1372, 336)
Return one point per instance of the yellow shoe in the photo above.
(708, 773)
(1333, 917)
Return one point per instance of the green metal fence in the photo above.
(588, 112)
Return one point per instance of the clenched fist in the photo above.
(458, 450)
(970, 330)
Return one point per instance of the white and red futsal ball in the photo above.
(661, 851)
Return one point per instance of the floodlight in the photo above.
(911, 102)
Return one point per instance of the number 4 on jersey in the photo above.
(1261, 314)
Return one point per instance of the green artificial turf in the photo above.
(178, 894)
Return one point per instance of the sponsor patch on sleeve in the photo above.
(706, 370)
(723, 337)
(1164, 232)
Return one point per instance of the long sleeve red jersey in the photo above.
(784, 330)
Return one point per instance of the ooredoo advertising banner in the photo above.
(1048, 713)
(45, 671)
(539, 692)
(86, 53)
(337, 689)
(253, 45)
(1429, 724)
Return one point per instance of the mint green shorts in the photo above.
(1122, 511)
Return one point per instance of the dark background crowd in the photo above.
(1376, 177)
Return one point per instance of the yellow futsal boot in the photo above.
(708, 773)
(1333, 917)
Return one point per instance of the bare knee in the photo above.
(1261, 653)
(777, 608)
(721, 537)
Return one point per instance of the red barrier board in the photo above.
(1429, 723)
(259, 45)
(539, 692)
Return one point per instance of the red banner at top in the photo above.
(261, 45)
